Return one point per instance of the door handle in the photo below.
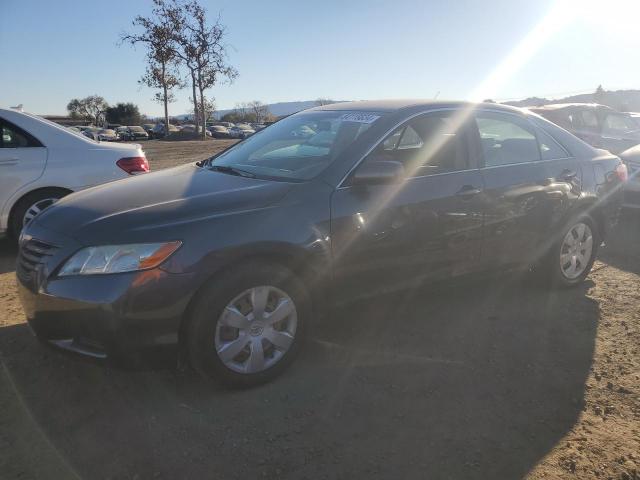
(468, 191)
(567, 175)
(8, 161)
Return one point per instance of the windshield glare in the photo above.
(298, 147)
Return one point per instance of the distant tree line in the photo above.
(183, 48)
(95, 109)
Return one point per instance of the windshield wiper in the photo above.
(232, 171)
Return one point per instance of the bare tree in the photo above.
(241, 109)
(260, 110)
(203, 51)
(164, 76)
(209, 108)
(91, 108)
(162, 62)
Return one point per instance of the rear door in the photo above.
(517, 206)
(563, 176)
(22, 160)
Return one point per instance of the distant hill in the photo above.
(623, 100)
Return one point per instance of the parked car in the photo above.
(107, 135)
(41, 162)
(635, 116)
(91, 132)
(189, 128)
(241, 130)
(222, 124)
(257, 126)
(134, 133)
(598, 125)
(232, 257)
(148, 127)
(120, 131)
(159, 130)
(603, 127)
(631, 158)
(218, 131)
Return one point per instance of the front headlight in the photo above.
(118, 258)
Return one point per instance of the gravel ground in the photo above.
(478, 379)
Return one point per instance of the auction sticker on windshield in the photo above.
(359, 117)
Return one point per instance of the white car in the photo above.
(241, 130)
(41, 162)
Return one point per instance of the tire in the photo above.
(557, 266)
(209, 336)
(28, 204)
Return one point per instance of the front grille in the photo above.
(32, 254)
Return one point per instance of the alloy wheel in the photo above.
(256, 329)
(576, 251)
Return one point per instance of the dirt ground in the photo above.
(164, 154)
(494, 379)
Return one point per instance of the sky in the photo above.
(284, 50)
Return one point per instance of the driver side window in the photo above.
(426, 145)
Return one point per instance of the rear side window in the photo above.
(15, 137)
(550, 149)
(506, 139)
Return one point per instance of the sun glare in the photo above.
(614, 16)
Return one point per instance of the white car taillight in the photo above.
(133, 165)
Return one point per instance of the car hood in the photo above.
(156, 202)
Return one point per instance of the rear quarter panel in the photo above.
(79, 168)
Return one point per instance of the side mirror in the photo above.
(378, 172)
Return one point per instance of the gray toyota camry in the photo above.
(231, 258)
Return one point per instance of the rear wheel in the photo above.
(31, 205)
(571, 258)
(246, 328)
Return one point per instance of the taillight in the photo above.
(133, 165)
(622, 172)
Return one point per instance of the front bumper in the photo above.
(114, 315)
(104, 315)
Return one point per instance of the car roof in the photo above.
(401, 104)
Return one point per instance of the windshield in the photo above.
(298, 147)
(136, 129)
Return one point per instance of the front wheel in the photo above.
(246, 328)
(571, 258)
